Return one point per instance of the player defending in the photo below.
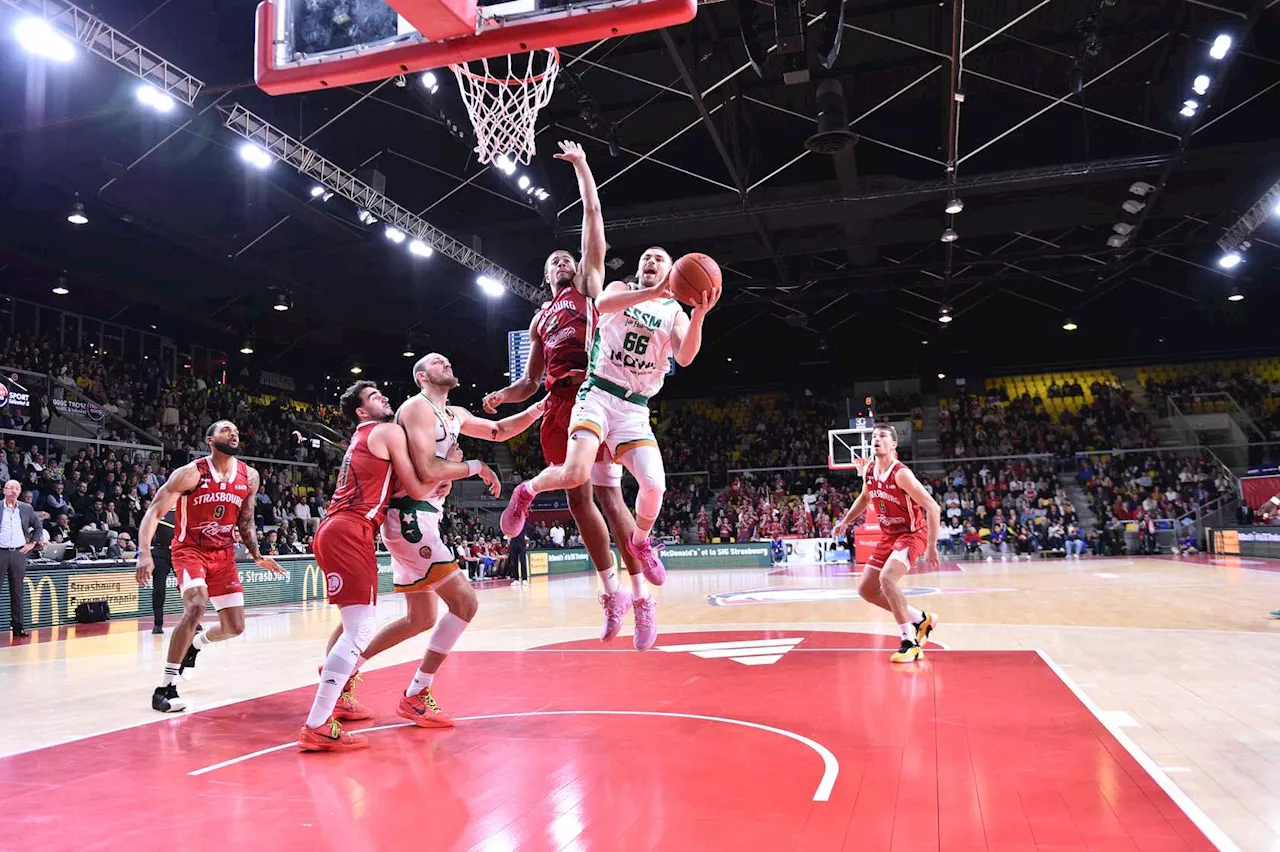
(640, 326)
(422, 566)
(899, 500)
(558, 357)
(345, 552)
(214, 495)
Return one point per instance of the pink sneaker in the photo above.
(646, 626)
(615, 609)
(517, 511)
(647, 555)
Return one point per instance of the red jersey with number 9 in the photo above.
(561, 325)
(207, 514)
(897, 513)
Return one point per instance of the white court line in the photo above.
(830, 766)
(1216, 835)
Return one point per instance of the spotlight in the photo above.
(942, 376)
(60, 288)
(949, 236)
(247, 349)
(396, 235)
(491, 287)
(944, 314)
(39, 38)
(1221, 45)
(255, 156)
(531, 190)
(1141, 188)
(1189, 108)
(282, 303)
(1117, 240)
(317, 191)
(1133, 206)
(542, 194)
(154, 98)
(355, 371)
(954, 206)
(503, 162)
(77, 216)
(365, 217)
(523, 182)
(1230, 260)
(408, 353)
(1201, 84)
(429, 82)
(418, 248)
(1236, 297)
(1124, 229)
(1069, 325)
(1277, 210)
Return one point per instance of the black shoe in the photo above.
(20, 633)
(165, 699)
(157, 630)
(189, 661)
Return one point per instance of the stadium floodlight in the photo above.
(523, 182)
(949, 235)
(1231, 260)
(282, 303)
(408, 353)
(77, 216)
(60, 289)
(491, 287)
(942, 376)
(944, 314)
(1236, 297)
(1221, 45)
(1201, 84)
(504, 163)
(418, 248)
(542, 194)
(356, 370)
(1277, 210)
(36, 36)
(255, 156)
(149, 95)
(1189, 108)
(1069, 325)
(247, 349)
(429, 82)
(394, 234)
(954, 206)
(317, 191)
(365, 217)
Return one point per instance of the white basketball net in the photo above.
(503, 96)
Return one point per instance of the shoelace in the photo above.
(425, 695)
(335, 730)
(644, 613)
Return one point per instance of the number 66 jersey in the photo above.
(631, 348)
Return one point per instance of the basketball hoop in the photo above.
(503, 96)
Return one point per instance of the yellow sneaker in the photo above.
(925, 626)
(908, 652)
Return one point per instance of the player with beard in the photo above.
(214, 495)
(638, 329)
(558, 358)
(376, 463)
(423, 567)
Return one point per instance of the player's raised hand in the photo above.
(707, 301)
(492, 400)
(490, 479)
(145, 566)
(266, 563)
(571, 152)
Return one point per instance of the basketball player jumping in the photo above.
(558, 357)
(899, 500)
(214, 495)
(423, 567)
(377, 456)
(640, 326)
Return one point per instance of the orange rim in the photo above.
(553, 61)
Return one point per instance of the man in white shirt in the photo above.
(557, 535)
(18, 531)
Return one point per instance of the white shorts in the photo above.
(620, 425)
(420, 560)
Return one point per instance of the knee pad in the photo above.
(359, 623)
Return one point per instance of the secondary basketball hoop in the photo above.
(503, 96)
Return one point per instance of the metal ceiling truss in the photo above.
(1262, 210)
(284, 147)
(114, 46)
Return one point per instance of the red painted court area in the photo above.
(578, 748)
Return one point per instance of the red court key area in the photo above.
(815, 744)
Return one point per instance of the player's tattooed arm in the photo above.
(249, 532)
(499, 430)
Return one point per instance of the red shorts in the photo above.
(555, 426)
(343, 547)
(213, 569)
(913, 543)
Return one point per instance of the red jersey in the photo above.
(207, 514)
(364, 483)
(561, 325)
(896, 512)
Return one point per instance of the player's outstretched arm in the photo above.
(500, 430)
(590, 277)
(618, 296)
(907, 481)
(390, 442)
(184, 479)
(687, 334)
(420, 423)
(527, 385)
(249, 530)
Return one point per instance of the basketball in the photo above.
(691, 276)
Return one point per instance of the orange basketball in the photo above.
(693, 275)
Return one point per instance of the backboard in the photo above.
(304, 45)
(850, 449)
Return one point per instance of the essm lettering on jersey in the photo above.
(643, 318)
(218, 497)
(631, 362)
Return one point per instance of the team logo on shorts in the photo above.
(424, 552)
(333, 582)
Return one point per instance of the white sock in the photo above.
(908, 631)
(421, 680)
(201, 641)
(639, 534)
(170, 674)
(914, 615)
(639, 588)
(610, 580)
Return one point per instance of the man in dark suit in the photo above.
(18, 532)
(518, 557)
(164, 565)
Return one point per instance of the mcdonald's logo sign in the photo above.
(313, 580)
(36, 591)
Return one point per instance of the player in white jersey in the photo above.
(637, 328)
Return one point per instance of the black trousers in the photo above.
(13, 565)
(159, 581)
(518, 563)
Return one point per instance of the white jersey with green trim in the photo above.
(632, 348)
(448, 428)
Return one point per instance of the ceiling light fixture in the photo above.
(954, 206)
(77, 216)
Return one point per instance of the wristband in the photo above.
(473, 467)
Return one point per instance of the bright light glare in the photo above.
(154, 98)
(429, 81)
(1277, 210)
(1069, 326)
(942, 376)
(418, 248)
(1221, 45)
(255, 156)
(503, 162)
(317, 191)
(523, 183)
(542, 194)
(394, 234)
(356, 370)
(945, 318)
(39, 38)
(60, 290)
(1230, 260)
(489, 286)
(77, 216)
(1201, 84)
(1236, 297)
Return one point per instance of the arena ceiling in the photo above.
(833, 262)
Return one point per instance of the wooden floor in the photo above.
(1156, 679)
